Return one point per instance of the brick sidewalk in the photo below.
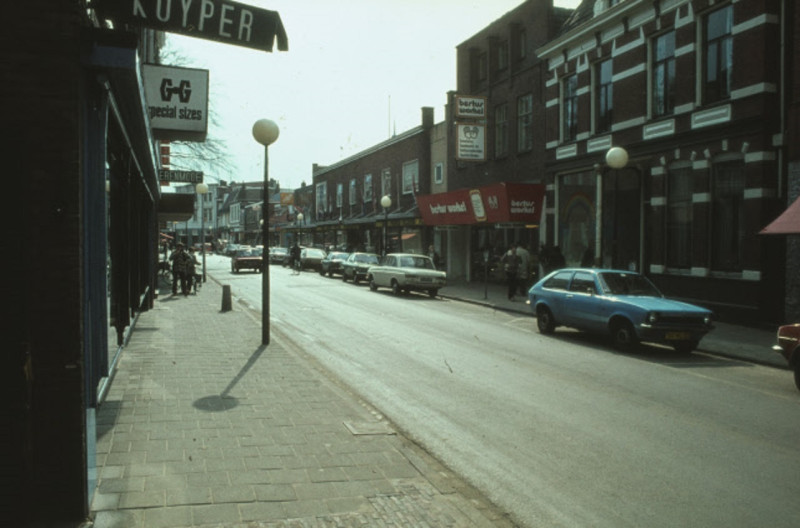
(202, 426)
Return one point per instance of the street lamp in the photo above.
(201, 190)
(299, 225)
(386, 203)
(265, 132)
(616, 158)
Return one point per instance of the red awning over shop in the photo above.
(496, 203)
(788, 223)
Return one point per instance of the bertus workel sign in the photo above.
(218, 20)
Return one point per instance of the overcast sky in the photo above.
(356, 72)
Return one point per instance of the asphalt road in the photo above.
(559, 431)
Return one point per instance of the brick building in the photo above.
(695, 92)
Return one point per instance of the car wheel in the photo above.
(372, 285)
(797, 374)
(545, 321)
(355, 279)
(623, 335)
(396, 289)
(432, 292)
(685, 347)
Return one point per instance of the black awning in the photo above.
(176, 207)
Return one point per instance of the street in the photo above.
(558, 430)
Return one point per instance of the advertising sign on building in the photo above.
(180, 176)
(470, 142)
(219, 20)
(471, 107)
(177, 102)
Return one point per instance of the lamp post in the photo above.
(300, 218)
(265, 132)
(386, 203)
(201, 190)
(616, 158)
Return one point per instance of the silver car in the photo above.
(405, 272)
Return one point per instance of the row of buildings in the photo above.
(659, 136)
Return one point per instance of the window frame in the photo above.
(678, 238)
(604, 95)
(569, 108)
(717, 56)
(728, 216)
(662, 87)
(525, 123)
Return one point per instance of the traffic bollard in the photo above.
(226, 298)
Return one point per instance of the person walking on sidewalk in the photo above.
(294, 259)
(180, 267)
(191, 271)
(524, 270)
(511, 263)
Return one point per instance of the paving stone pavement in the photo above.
(204, 427)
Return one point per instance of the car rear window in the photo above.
(559, 281)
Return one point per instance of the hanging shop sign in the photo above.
(217, 20)
(179, 176)
(177, 102)
(518, 203)
(470, 107)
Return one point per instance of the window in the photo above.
(523, 44)
(322, 199)
(559, 281)
(502, 55)
(727, 216)
(386, 182)
(339, 194)
(664, 74)
(501, 131)
(718, 54)
(679, 217)
(367, 188)
(569, 108)
(524, 123)
(410, 177)
(479, 66)
(438, 173)
(583, 282)
(353, 194)
(605, 96)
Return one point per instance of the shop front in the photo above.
(474, 227)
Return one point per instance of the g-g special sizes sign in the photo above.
(177, 102)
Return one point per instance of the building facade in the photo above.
(694, 95)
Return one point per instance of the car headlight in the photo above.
(652, 317)
(707, 320)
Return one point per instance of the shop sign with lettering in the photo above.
(177, 102)
(218, 20)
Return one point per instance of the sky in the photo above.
(356, 72)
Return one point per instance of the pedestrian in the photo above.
(524, 270)
(180, 263)
(511, 262)
(191, 270)
(294, 259)
(434, 256)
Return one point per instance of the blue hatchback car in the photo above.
(622, 304)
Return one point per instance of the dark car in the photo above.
(247, 259)
(332, 263)
(311, 258)
(789, 347)
(356, 266)
(622, 304)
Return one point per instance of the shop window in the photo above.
(727, 216)
(679, 217)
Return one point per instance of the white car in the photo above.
(404, 272)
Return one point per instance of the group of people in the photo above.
(184, 265)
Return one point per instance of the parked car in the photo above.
(789, 347)
(357, 265)
(231, 249)
(311, 258)
(277, 255)
(623, 304)
(251, 258)
(332, 263)
(404, 272)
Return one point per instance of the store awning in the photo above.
(176, 207)
(788, 223)
(491, 204)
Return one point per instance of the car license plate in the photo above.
(677, 336)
